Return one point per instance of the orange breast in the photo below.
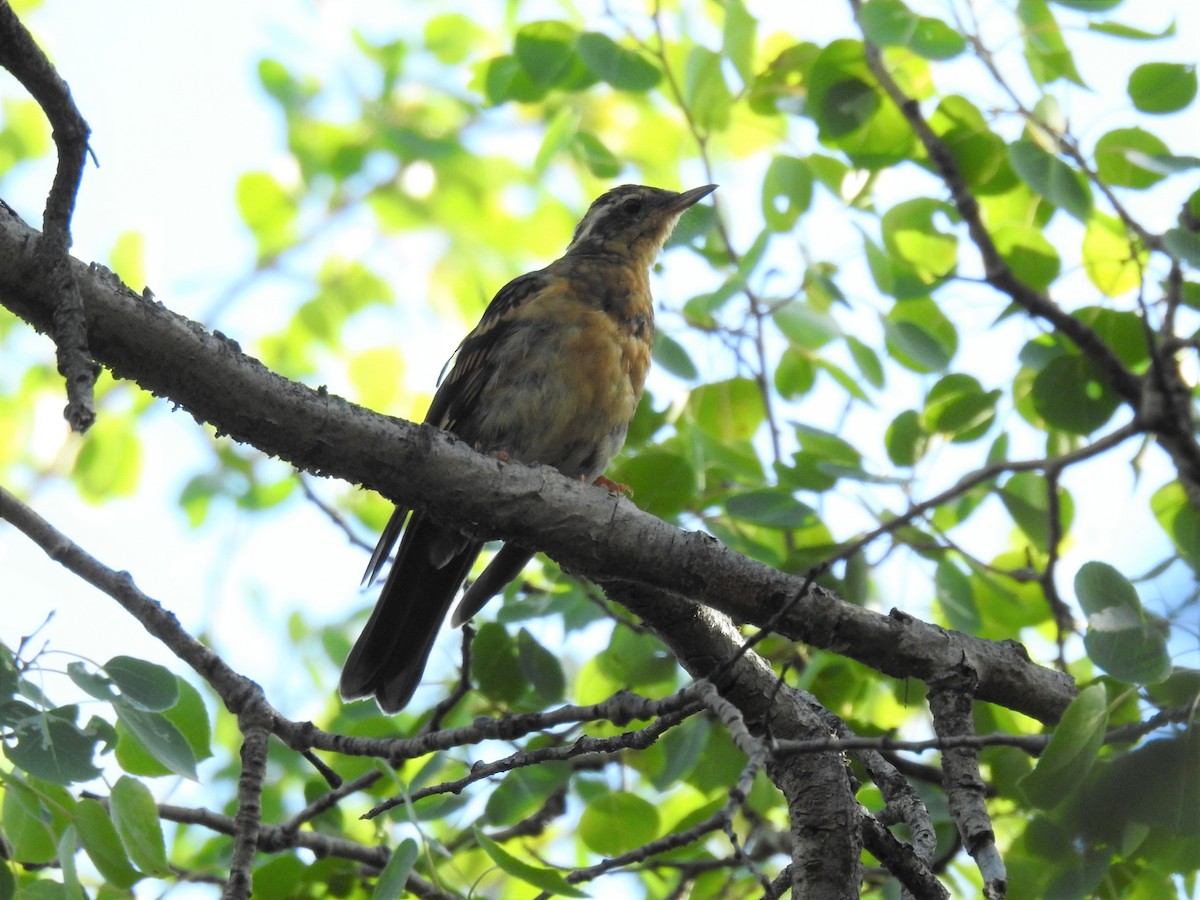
(577, 356)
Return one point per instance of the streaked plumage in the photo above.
(551, 374)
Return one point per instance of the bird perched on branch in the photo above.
(552, 374)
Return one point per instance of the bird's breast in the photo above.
(576, 363)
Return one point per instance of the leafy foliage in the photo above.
(896, 360)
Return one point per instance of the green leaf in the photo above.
(269, 211)
(1121, 638)
(956, 598)
(739, 42)
(626, 70)
(1153, 785)
(795, 374)
(1072, 396)
(636, 661)
(522, 791)
(1181, 688)
(919, 336)
(68, 846)
(1028, 253)
(95, 684)
(1162, 87)
(1112, 262)
(661, 482)
(1183, 245)
(893, 276)
(910, 234)
(805, 327)
(150, 686)
(669, 354)
(541, 668)
(25, 824)
(891, 23)
(981, 155)
(451, 36)
(1026, 497)
(770, 507)
(1046, 52)
(188, 715)
(51, 746)
(135, 815)
(504, 79)
(867, 361)
(393, 880)
(786, 192)
(560, 133)
(729, 410)
(1123, 331)
(279, 83)
(159, 737)
(683, 747)
(700, 310)
(1115, 29)
(128, 258)
(1072, 751)
(957, 406)
(103, 845)
(1179, 519)
(705, 92)
(109, 463)
(546, 52)
(617, 822)
(495, 666)
(1052, 178)
(851, 114)
(24, 132)
(598, 159)
(906, 440)
(1125, 157)
(543, 879)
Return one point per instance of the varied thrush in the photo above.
(552, 374)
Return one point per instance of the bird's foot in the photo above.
(611, 486)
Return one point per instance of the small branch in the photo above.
(718, 821)
(1063, 624)
(584, 746)
(273, 839)
(910, 870)
(20, 54)
(531, 826)
(950, 702)
(331, 799)
(461, 689)
(997, 272)
(333, 515)
(987, 473)
(248, 823)
(1033, 744)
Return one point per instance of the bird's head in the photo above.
(633, 220)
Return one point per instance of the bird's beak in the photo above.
(687, 198)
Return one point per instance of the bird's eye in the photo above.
(632, 206)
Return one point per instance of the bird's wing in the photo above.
(457, 397)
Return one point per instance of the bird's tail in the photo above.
(389, 657)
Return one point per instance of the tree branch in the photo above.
(21, 55)
(587, 530)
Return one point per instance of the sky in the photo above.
(163, 91)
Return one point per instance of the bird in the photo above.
(552, 374)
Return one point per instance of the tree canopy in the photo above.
(902, 597)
